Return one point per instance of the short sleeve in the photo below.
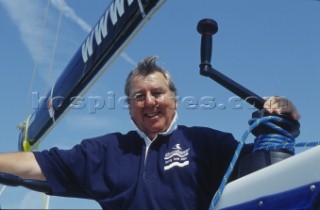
(64, 170)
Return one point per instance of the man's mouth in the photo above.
(150, 115)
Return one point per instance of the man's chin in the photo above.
(156, 129)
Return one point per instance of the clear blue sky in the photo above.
(270, 46)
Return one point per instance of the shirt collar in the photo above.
(173, 126)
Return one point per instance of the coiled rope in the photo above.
(282, 140)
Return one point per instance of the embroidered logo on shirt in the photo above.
(177, 157)
(177, 146)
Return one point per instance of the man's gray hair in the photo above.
(144, 68)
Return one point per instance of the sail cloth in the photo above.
(291, 184)
(117, 26)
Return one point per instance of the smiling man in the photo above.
(160, 165)
(152, 98)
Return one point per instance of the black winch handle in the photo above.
(208, 27)
(13, 180)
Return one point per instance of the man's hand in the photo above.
(281, 105)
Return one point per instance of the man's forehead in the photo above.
(141, 89)
(151, 79)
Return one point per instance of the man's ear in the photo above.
(130, 109)
(176, 104)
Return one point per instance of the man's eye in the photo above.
(157, 94)
(139, 97)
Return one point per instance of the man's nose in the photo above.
(150, 100)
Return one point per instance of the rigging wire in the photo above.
(34, 71)
(36, 65)
(54, 49)
(46, 201)
(2, 189)
(46, 198)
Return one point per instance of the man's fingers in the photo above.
(281, 105)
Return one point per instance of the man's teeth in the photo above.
(151, 114)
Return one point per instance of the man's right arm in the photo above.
(22, 164)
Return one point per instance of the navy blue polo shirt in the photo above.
(180, 171)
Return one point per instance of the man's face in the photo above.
(152, 104)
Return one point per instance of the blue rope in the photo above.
(283, 141)
(271, 142)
